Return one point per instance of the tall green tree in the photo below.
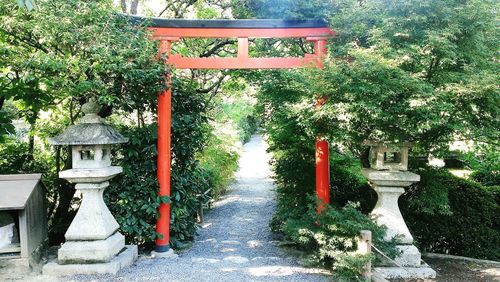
(61, 53)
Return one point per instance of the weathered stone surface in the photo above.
(93, 221)
(88, 134)
(379, 156)
(124, 259)
(89, 131)
(90, 175)
(91, 251)
(387, 212)
(391, 178)
(410, 256)
(82, 158)
(422, 272)
(389, 185)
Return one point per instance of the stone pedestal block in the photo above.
(91, 251)
(93, 221)
(410, 256)
(122, 260)
(387, 212)
(389, 185)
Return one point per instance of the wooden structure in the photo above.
(23, 195)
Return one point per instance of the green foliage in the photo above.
(132, 196)
(451, 215)
(15, 158)
(347, 184)
(56, 56)
(331, 238)
(248, 125)
(52, 54)
(484, 159)
(6, 127)
(220, 162)
(400, 70)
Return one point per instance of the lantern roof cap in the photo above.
(91, 130)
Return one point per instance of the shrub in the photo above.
(331, 238)
(132, 195)
(247, 126)
(451, 215)
(485, 177)
(347, 184)
(484, 159)
(219, 162)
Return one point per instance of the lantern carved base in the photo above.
(93, 244)
(125, 258)
(389, 185)
(93, 220)
(91, 251)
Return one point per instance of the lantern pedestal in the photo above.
(93, 244)
(389, 185)
(125, 258)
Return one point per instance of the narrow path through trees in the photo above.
(235, 243)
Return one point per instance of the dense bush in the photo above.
(484, 159)
(219, 162)
(132, 197)
(331, 238)
(248, 126)
(451, 215)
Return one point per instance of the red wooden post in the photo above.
(322, 174)
(322, 153)
(164, 157)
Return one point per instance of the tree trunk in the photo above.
(31, 141)
(62, 216)
(133, 7)
(123, 4)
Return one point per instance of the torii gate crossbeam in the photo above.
(168, 31)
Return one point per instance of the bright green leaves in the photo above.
(80, 49)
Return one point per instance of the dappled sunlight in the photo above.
(230, 242)
(254, 244)
(205, 260)
(236, 259)
(211, 240)
(280, 270)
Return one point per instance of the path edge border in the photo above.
(445, 256)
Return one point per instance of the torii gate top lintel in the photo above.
(171, 30)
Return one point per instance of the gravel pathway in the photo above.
(234, 243)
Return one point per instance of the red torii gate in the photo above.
(172, 30)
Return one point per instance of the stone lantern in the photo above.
(388, 174)
(93, 243)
